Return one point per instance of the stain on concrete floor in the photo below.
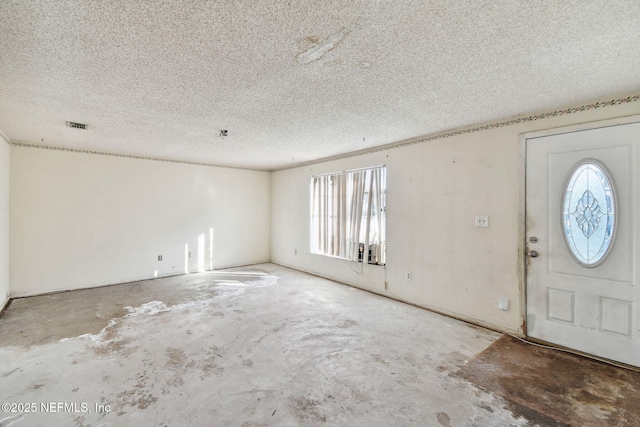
(48, 318)
(553, 388)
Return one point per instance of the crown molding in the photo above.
(126, 156)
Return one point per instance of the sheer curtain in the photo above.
(375, 240)
(348, 215)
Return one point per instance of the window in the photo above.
(348, 215)
(588, 213)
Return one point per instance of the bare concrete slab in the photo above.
(255, 346)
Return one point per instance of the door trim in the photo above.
(522, 218)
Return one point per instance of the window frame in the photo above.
(337, 199)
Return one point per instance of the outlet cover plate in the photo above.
(482, 221)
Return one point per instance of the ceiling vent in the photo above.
(75, 125)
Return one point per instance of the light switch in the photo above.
(503, 304)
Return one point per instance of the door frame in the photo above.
(522, 205)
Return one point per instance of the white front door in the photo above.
(582, 236)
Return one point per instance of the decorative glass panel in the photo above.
(588, 213)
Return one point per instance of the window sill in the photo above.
(347, 260)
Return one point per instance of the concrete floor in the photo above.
(254, 346)
(554, 388)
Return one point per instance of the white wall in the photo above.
(81, 220)
(5, 150)
(434, 191)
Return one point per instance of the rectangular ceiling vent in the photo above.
(76, 125)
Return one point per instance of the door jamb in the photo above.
(522, 217)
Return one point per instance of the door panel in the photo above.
(589, 308)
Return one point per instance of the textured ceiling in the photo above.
(294, 81)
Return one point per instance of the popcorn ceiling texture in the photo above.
(296, 81)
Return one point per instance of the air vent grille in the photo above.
(75, 125)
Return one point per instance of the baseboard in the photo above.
(466, 319)
(470, 320)
(224, 267)
(160, 276)
(5, 304)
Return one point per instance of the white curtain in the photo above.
(358, 182)
(375, 220)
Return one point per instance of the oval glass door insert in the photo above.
(589, 213)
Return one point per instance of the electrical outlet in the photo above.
(408, 276)
(295, 252)
(189, 254)
(482, 221)
(159, 257)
